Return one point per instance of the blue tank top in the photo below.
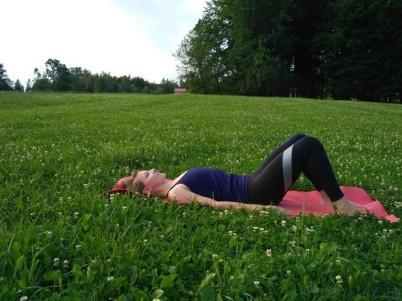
(216, 184)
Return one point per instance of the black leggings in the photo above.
(282, 168)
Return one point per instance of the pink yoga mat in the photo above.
(309, 202)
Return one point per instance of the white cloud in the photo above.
(195, 6)
(95, 34)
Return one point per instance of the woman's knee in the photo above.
(312, 141)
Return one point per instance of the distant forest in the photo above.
(341, 49)
(57, 77)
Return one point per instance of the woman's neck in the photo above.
(167, 185)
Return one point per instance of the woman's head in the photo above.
(145, 182)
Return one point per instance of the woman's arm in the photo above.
(181, 195)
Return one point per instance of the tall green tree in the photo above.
(261, 63)
(5, 82)
(366, 44)
(239, 47)
(124, 84)
(58, 75)
(28, 86)
(204, 52)
(18, 87)
(41, 82)
(81, 80)
(138, 84)
(308, 20)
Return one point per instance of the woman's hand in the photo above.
(278, 209)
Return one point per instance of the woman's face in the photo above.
(150, 179)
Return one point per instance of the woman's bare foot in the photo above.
(282, 210)
(343, 205)
(347, 207)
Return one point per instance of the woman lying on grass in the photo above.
(262, 189)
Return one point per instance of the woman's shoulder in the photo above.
(182, 175)
(179, 193)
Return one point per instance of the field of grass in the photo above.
(60, 239)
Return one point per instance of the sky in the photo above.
(121, 37)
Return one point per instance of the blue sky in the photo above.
(122, 37)
(164, 20)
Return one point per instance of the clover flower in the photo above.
(110, 278)
(309, 230)
(232, 233)
(65, 263)
(255, 229)
(268, 252)
(56, 262)
(338, 279)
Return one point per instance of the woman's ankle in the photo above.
(325, 198)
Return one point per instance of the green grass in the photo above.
(61, 240)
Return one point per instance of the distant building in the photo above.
(180, 90)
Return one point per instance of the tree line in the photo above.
(58, 77)
(342, 49)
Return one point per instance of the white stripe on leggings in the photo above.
(287, 167)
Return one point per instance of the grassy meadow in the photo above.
(60, 239)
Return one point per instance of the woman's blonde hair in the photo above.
(138, 186)
(122, 186)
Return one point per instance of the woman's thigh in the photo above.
(267, 186)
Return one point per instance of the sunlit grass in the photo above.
(61, 239)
